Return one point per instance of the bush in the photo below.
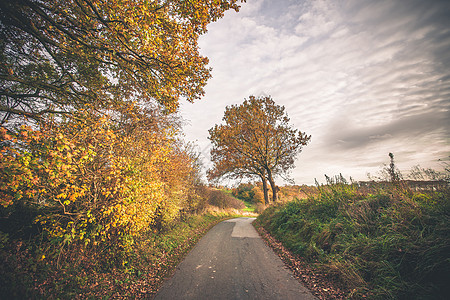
(244, 192)
(385, 243)
(222, 200)
(95, 182)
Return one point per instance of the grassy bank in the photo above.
(383, 243)
(249, 207)
(72, 274)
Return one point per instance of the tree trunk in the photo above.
(265, 190)
(273, 186)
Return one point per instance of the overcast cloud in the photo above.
(364, 78)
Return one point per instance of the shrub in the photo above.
(222, 200)
(95, 181)
(384, 243)
(244, 192)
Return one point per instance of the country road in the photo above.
(232, 262)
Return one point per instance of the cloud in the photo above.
(363, 77)
(416, 126)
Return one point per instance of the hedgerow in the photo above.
(387, 242)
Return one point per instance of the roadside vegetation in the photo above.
(249, 207)
(100, 196)
(29, 270)
(252, 194)
(92, 161)
(384, 240)
(223, 199)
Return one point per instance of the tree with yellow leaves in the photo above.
(57, 56)
(255, 141)
(88, 138)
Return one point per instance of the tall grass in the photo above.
(385, 242)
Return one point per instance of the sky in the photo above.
(363, 78)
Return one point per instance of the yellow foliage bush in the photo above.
(99, 179)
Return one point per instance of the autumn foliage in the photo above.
(58, 55)
(96, 180)
(255, 141)
(90, 149)
(91, 155)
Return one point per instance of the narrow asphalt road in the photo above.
(232, 262)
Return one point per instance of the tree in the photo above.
(94, 84)
(258, 195)
(255, 141)
(57, 56)
(394, 173)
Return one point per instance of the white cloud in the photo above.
(353, 74)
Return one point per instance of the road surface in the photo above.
(232, 262)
